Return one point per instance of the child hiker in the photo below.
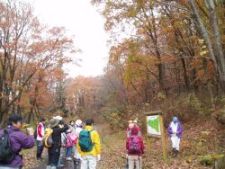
(175, 132)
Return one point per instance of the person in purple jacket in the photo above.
(175, 132)
(19, 141)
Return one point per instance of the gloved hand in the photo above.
(98, 157)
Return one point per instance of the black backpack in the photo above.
(6, 152)
(35, 134)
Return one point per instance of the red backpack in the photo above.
(134, 145)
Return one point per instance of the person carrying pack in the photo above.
(89, 146)
(71, 140)
(12, 141)
(135, 149)
(175, 131)
(58, 127)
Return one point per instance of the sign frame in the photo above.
(162, 129)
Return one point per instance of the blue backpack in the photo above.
(85, 142)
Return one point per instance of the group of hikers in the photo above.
(77, 142)
(135, 143)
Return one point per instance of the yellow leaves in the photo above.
(131, 12)
(201, 41)
(203, 53)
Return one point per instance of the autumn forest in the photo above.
(162, 52)
(164, 55)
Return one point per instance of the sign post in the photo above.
(155, 128)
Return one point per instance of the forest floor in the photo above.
(199, 139)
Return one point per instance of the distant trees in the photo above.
(170, 47)
(29, 55)
(82, 94)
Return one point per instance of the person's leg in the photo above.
(70, 151)
(40, 148)
(84, 163)
(92, 162)
(37, 154)
(67, 152)
(55, 159)
(130, 162)
(61, 157)
(178, 144)
(77, 163)
(138, 161)
(50, 155)
(173, 140)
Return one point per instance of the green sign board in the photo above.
(153, 125)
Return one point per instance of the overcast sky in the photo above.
(83, 21)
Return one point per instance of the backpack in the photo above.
(35, 134)
(6, 152)
(85, 142)
(134, 145)
(71, 139)
(48, 138)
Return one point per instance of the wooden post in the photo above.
(163, 137)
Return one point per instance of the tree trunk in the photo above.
(218, 49)
(199, 23)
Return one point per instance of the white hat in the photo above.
(78, 122)
(58, 118)
(135, 120)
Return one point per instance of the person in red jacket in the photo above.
(135, 149)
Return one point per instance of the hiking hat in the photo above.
(53, 122)
(78, 122)
(58, 118)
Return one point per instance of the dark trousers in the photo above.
(53, 155)
(77, 164)
(40, 148)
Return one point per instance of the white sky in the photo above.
(82, 20)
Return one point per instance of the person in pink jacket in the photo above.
(40, 136)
